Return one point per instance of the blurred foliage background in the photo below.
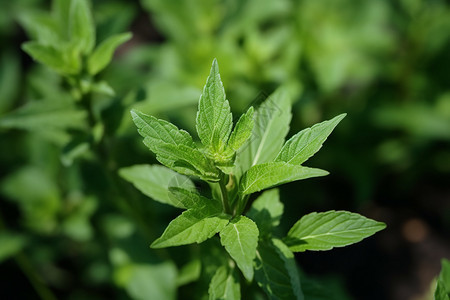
(70, 228)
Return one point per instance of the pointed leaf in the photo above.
(443, 282)
(276, 272)
(81, 26)
(155, 181)
(271, 124)
(214, 119)
(266, 211)
(225, 284)
(192, 199)
(242, 131)
(240, 238)
(192, 226)
(307, 142)
(103, 54)
(271, 174)
(324, 231)
(51, 57)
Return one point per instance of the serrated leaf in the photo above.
(174, 148)
(214, 119)
(225, 285)
(103, 54)
(324, 231)
(266, 211)
(193, 226)
(443, 282)
(240, 238)
(276, 272)
(271, 174)
(242, 131)
(188, 161)
(51, 57)
(271, 125)
(155, 181)
(307, 142)
(81, 26)
(192, 199)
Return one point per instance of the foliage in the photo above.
(248, 240)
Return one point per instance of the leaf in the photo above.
(225, 284)
(240, 238)
(242, 131)
(323, 231)
(193, 226)
(81, 26)
(214, 119)
(276, 271)
(443, 282)
(191, 199)
(174, 148)
(188, 161)
(157, 132)
(266, 211)
(51, 57)
(11, 244)
(271, 174)
(155, 180)
(271, 124)
(189, 272)
(307, 142)
(103, 54)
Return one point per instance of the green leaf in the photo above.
(174, 148)
(188, 161)
(191, 199)
(266, 211)
(225, 284)
(242, 131)
(307, 142)
(103, 54)
(323, 231)
(240, 238)
(189, 272)
(155, 181)
(214, 119)
(10, 244)
(443, 282)
(193, 226)
(51, 57)
(81, 26)
(271, 124)
(276, 272)
(271, 174)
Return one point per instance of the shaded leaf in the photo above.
(103, 54)
(81, 26)
(271, 124)
(266, 211)
(276, 271)
(189, 272)
(324, 231)
(240, 238)
(155, 181)
(443, 282)
(271, 174)
(51, 57)
(225, 284)
(307, 142)
(10, 244)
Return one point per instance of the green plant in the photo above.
(237, 162)
(443, 282)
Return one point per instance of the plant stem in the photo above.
(224, 192)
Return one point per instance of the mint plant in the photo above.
(236, 162)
